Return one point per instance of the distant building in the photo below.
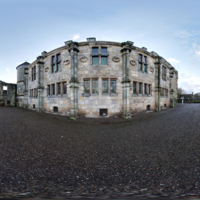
(8, 94)
(97, 78)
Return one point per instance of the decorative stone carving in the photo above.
(132, 62)
(83, 59)
(151, 69)
(116, 59)
(46, 69)
(66, 62)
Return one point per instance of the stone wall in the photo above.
(7, 95)
(122, 68)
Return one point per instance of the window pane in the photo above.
(95, 51)
(94, 86)
(113, 86)
(53, 68)
(58, 57)
(145, 88)
(95, 60)
(140, 88)
(86, 86)
(140, 66)
(104, 61)
(58, 66)
(104, 86)
(64, 88)
(59, 88)
(53, 89)
(149, 89)
(103, 51)
(145, 59)
(134, 87)
(53, 59)
(140, 58)
(145, 68)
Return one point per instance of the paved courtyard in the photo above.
(49, 155)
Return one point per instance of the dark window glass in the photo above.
(140, 57)
(87, 86)
(34, 72)
(149, 89)
(104, 60)
(95, 51)
(113, 86)
(95, 60)
(53, 60)
(134, 87)
(145, 68)
(65, 88)
(145, 88)
(103, 51)
(145, 59)
(140, 88)
(53, 68)
(53, 89)
(94, 86)
(58, 67)
(58, 57)
(104, 86)
(59, 88)
(140, 66)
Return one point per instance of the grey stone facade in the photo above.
(97, 78)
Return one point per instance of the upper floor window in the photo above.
(164, 73)
(142, 63)
(99, 56)
(55, 63)
(65, 88)
(33, 73)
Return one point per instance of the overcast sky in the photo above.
(169, 27)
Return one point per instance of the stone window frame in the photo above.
(99, 55)
(33, 73)
(109, 85)
(55, 63)
(62, 88)
(164, 92)
(35, 92)
(49, 89)
(143, 62)
(164, 73)
(90, 79)
(58, 90)
(143, 85)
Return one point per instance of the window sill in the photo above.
(113, 94)
(95, 94)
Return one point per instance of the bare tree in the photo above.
(181, 91)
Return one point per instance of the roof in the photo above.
(24, 63)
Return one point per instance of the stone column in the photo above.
(157, 84)
(40, 98)
(126, 49)
(74, 84)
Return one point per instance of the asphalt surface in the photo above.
(153, 155)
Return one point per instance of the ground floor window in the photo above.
(55, 109)
(95, 86)
(103, 112)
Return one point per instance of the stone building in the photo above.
(7, 94)
(97, 78)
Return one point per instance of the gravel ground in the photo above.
(153, 154)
